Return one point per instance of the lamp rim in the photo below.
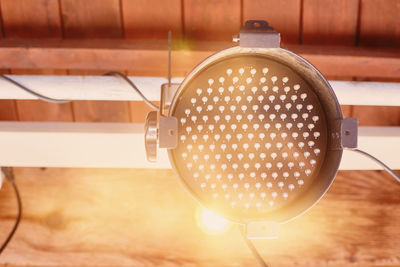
(293, 61)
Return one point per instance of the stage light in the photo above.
(255, 132)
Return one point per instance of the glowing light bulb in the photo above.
(212, 223)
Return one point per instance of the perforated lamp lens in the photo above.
(253, 134)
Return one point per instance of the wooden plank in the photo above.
(379, 26)
(211, 19)
(95, 19)
(283, 15)
(377, 115)
(100, 111)
(380, 23)
(8, 108)
(347, 111)
(149, 58)
(91, 19)
(129, 217)
(152, 19)
(36, 110)
(31, 19)
(35, 19)
(139, 110)
(330, 22)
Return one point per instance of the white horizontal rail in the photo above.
(113, 88)
(121, 145)
(82, 87)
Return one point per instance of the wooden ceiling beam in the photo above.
(150, 58)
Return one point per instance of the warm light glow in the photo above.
(211, 222)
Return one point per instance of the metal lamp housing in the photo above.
(258, 45)
(332, 112)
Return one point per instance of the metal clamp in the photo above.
(258, 34)
(168, 126)
(343, 134)
(168, 91)
(161, 131)
(349, 133)
(262, 230)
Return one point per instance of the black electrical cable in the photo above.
(251, 246)
(61, 101)
(389, 170)
(122, 76)
(8, 173)
(40, 96)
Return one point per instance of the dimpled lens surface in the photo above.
(252, 136)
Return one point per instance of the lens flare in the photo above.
(211, 222)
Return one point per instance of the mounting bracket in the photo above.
(349, 133)
(161, 131)
(160, 128)
(259, 34)
(262, 230)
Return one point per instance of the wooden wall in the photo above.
(322, 22)
(92, 217)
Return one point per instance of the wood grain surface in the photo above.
(283, 16)
(100, 217)
(100, 111)
(380, 23)
(140, 217)
(152, 19)
(149, 57)
(95, 19)
(139, 110)
(35, 19)
(91, 19)
(31, 18)
(211, 19)
(36, 110)
(330, 21)
(8, 108)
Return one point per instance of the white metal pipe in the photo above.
(82, 87)
(121, 145)
(113, 88)
(367, 93)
